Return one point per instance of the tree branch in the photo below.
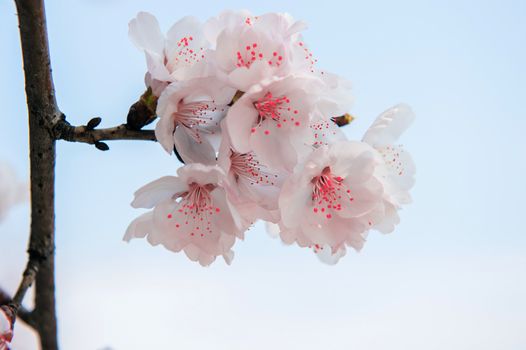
(43, 112)
(14, 305)
(87, 134)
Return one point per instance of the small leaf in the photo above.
(343, 120)
(102, 146)
(93, 123)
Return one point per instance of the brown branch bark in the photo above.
(64, 131)
(43, 112)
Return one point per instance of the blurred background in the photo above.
(452, 275)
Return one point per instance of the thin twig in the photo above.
(65, 131)
(15, 304)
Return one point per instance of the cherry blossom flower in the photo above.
(253, 187)
(190, 113)
(272, 120)
(332, 198)
(250, 49)
(178, 56)
(191, 212)
(6, 331)
(398, 170)
(12, 191)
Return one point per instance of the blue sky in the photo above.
(450, 276)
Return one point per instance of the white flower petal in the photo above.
(145, 33)
(157, 191)
(388, 127)
(164, 133)
(192, 151)
(139, 227)
(239, 121)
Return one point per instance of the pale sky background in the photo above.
(452, 275)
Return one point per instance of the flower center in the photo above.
(328, 192)
(246, 167)
(185, 54)
(196, 117)
(277, 109)
(252, 53)
(195, 210)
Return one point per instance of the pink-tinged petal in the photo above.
(353, 160)
(201, 174)
(362, 198)
(282, 24)
(187, 32)
(239, 122)
(145, 33)
(229, 256)
(157, 191)
(293, 199)
(244, 78)
(164, 133)
(156, 85)
(325, 132)
(399, 167)
(225, 150)
(388, 127)
(140, 227)
(192, 151)
(156, 67)
(170, 227)
(185, 49)
(179, 227)
(226, 217)
(291, 236)
(225, 20)
(336, 97)
(389, 221)
(206, 249)
(273, 147)
(195, 253)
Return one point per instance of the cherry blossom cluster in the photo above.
(241, 101)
